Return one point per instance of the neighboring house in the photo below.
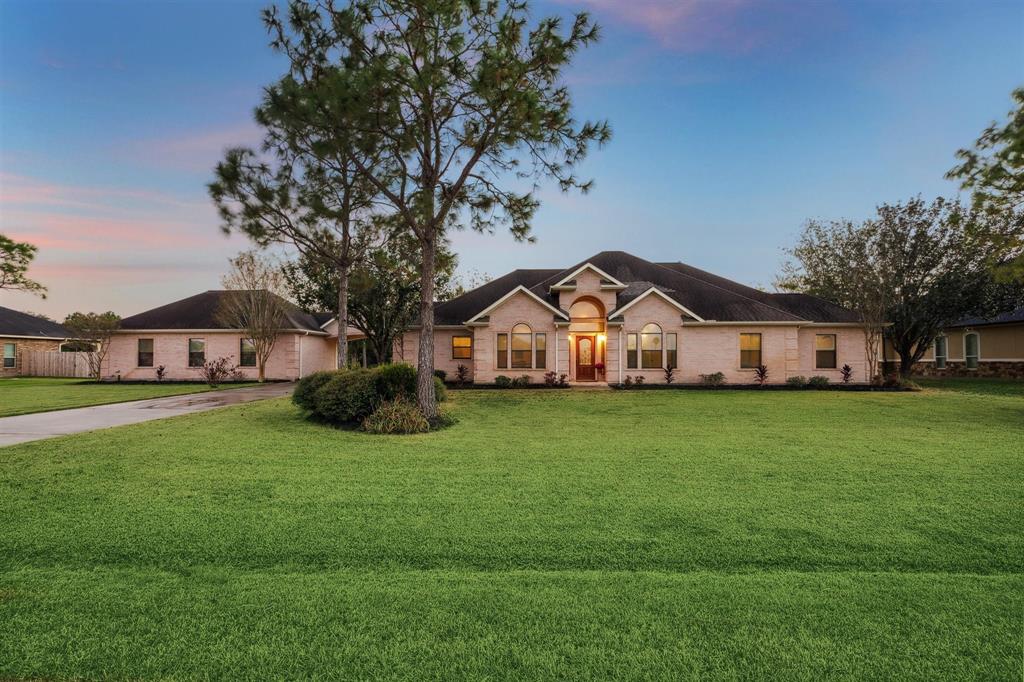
(21, 333)
(183, 335)
(616, 315)
(978, 347)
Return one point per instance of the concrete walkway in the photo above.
(28, 427)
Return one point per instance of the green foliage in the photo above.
(396, 381)
(398, 416)
(817, 381)
(15, 259)
(348, 397)
(440, 374)
(461, 375)
(440, 391)
(521, 381)
(502, 381)
(306, 388)
(715, 379)
(761, 375)
(799, 381)
(96, 328)
(847, 373)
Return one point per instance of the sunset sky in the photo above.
(734, 122)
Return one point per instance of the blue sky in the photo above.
(734, 122)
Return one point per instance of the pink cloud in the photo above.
(728, 26)
(194, 151)
(21, 191)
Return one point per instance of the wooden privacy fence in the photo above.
(41, 363)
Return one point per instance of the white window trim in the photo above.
(533, 349)
(587, 266)
(966, 334)
(650, 292)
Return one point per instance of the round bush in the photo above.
(440, 392)
(396, 416)
(395, 381)
(348, 398)
(306, 389)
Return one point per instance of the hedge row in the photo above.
(347, 397)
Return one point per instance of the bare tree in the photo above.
(253, 305)
(97, 329)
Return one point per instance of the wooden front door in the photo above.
(586, 357)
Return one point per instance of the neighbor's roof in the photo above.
(709, 296)
(15, 323)
(1009, 317)
(201, 312)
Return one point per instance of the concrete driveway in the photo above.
(28, 427)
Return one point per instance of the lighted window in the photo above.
(522, 346)
(246, 353)
(750, 351)
(825, 351)
(650, 347)
(502, 351)
(462, 347)
(540, 347)
(145, 354)
(631, 347)
(196, 352)
(941, 352)
(10, 354)
(671, 359)
(972, 350)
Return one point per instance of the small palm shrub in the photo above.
(761, 375)
(670, 374)
(797, 381)
(638, 380)
(817, 381)
(161, 372)
(550, 379)
(307, 388)
(847, 373)
(628, 383)
(461, 375)
(716, 379)
(400, 416)
(563, 380)
(502, 381)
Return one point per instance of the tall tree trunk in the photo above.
(425, 360)
(342, 316)
(262, 370)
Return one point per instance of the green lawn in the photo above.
(547, 535)
(24, 395)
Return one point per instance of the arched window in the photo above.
(522, 346)
(650, 347)
(586, 315)
(972, 349)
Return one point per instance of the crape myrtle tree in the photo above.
(924, 265)
(383, 292)
(96, 329)
(458, 109)
(253, 304)
(15, 259)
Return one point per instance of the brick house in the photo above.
(616, 315)
(21, 333)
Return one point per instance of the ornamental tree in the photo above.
(97, 329)
(252, 304)
(15, 259)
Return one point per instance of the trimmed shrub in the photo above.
(550, 379)
(348, 398)
(716, 379)
(396, 380)
(306, 389)
(521, 381)
(399, 416)
(502, 381)
(817, 381)
(797, 381)
(441, 374)
(440, 391)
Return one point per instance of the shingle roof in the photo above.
(16, 323)
(1008, 317)
(200, 312)
(707, 295)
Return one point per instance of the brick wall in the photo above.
(22, 346)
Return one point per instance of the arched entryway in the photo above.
(587, 340)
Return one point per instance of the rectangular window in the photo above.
(825, 351)
(940, 352)
(145, 354)
(540, 347)
(671, 359)
(502, 351)
(196, 352)
(246, 353)
(971, 350)
(521, 350)
(462, 347)
(10, 354)
(750, 351)
(631, 344)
